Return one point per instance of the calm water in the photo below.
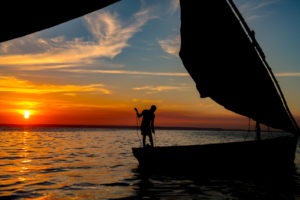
(77, 163)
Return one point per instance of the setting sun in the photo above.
(26, 114)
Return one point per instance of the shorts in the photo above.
(146, 130)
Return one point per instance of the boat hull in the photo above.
(266, 154)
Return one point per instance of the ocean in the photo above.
(97, 163)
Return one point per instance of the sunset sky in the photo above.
(95, 69)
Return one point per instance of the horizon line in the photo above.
(120, 126)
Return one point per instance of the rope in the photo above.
(137, 130)
(155, 140)
(260, 53)
(249, 129)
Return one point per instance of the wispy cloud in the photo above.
(171, 45)
(254, 5)
(150, 101)
(12, 84)
(154, 89)
(20, 103)
(125, 72)
(265, 3)
(251, 8)
(174, 5)
(110, 38)
(253, 17)
(288, 74)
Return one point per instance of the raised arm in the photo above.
(137, 113)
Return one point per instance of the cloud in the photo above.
(125, 72)
(253, 17)
(23, 103)
(288, 74)
(152, 89)
(254, 5)
(174, 5)
(251, 8)
(171, 45)
(110, 38)
(246, 6)
(265, 3)
(12, 84)
(150, 101)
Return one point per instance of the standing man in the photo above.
(147, 126)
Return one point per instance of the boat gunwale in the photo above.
(219, 144)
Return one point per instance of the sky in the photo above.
(95, 69)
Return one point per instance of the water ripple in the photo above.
(98, 164)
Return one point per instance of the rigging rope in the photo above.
(260, 53)
(249, 129)
(155, 140)
(137, 130)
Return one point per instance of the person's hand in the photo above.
(135, 109)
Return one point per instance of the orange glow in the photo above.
(84, 110)
(30, 102)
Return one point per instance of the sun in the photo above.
(26, 114)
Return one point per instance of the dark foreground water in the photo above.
(77, 163)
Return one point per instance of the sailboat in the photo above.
(221, 54)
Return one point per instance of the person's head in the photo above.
(153, 108)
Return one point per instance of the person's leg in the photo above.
(151, 139)
(144, 140)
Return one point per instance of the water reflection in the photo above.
(98, 164)
(63, 164)
(263, 186)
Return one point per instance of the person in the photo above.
(147, 126)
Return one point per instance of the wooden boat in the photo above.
(221, 54)
(258, 155)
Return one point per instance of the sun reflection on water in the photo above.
(51, 165)
(79, 164)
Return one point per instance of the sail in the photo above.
(19, 18)
(227, 67)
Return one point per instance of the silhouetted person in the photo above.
(147, 126)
